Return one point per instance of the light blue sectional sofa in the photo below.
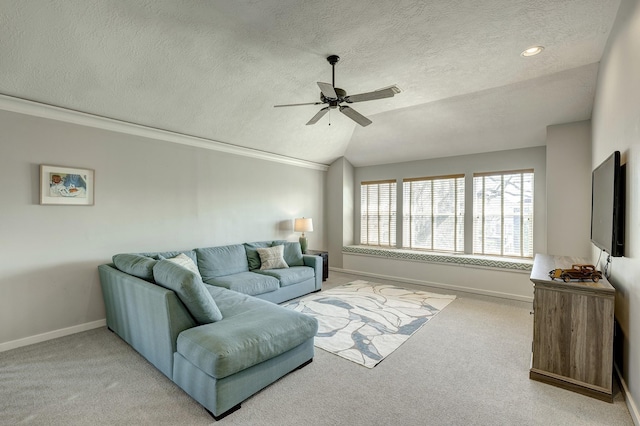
(205, 317)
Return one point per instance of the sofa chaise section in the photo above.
(221, 363)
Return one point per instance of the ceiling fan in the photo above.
(334, 96)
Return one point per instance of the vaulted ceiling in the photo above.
(215, 69)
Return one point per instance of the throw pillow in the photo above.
(252, 253)
(271, 258)
(190, 290)
(186, 262)
(136, 265)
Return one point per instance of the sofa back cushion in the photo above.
(292, 252)
(186, 262)
(135, 264)
(221, 261)
(190, 290)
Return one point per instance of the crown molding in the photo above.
(37, 109)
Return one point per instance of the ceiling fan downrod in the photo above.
(333, 60)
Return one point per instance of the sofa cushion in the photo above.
(292, 252)
(221, 261)
(272, 258)
(293, 275)
(190, 290)
(252, 254)
(246, 282)
(135, 264)
(169, 254)
(246, 339)
(232, 303)
(186, 262)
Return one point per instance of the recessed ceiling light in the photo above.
(532, 51)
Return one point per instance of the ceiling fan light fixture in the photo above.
(333, 97)
(532, 51)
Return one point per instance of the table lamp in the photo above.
(303, 224)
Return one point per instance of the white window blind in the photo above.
(433, 214)
(503, 213)
(378, 213)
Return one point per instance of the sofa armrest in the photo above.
(145, 315)
(316, 263)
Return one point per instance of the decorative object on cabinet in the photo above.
(576, 272)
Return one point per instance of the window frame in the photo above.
(482, 250)
(458, 215)
(391, 217)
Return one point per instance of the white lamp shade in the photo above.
(303, 224)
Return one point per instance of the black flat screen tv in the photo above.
(607, 206)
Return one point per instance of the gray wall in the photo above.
(150, 195)
(569, 189)
(500, 283)
(340, 208)
(616, 126)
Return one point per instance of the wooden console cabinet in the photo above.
(572, 330)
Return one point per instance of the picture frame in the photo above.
(70, 186)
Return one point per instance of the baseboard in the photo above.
(438, 285)
(6, 346)
(631, 405)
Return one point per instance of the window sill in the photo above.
(521, 265)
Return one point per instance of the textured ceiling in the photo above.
(214, 69)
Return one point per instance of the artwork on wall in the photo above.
(66, 185)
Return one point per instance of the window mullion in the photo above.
(484, 186)
(431, 213)
(521, 214)
(502, 216)
(455, 215)
(411, 214)
(389, 214)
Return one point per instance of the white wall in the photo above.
(569, 189)
(616, 126)
(149, 195)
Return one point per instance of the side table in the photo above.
(325, 261)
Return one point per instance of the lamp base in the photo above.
(303, 244)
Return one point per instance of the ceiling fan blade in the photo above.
(387, 92)
(318, 116)
(327, 90)
(288, 105)
(355, 116)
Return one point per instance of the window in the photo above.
(433, 216)
(503, 213)
(378, 213)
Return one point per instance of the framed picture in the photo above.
(66, 186)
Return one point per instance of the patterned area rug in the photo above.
(365, 322)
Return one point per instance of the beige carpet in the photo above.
(478, 374)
